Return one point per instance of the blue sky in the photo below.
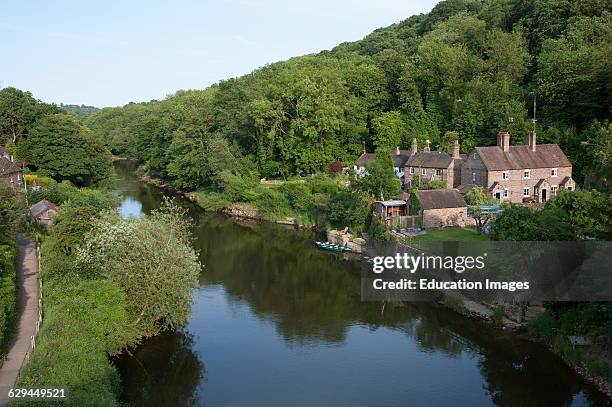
(107, 53)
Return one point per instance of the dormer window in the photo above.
(505, 175)
(554, 172)
(526, 174)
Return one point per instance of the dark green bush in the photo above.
(8, 294)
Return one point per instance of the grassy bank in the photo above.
(8, 293)
(591, 322)
(92, 308)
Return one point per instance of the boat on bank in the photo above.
(332, 247)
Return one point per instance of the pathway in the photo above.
(27, 268)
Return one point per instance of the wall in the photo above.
(516, 183)
(435, 218)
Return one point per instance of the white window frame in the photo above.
(423, 171)
(438, 173)
(526, 192)
(506, 193)
(412, 170)
(526, 174)
(554, 172)
(473, 177)
(505, 175)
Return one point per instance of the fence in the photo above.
(405, 222)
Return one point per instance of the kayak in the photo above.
(332, 247)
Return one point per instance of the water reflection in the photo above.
(278, 323)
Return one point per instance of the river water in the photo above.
(278, 323)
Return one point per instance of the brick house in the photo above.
(442, 207)
(9, 171)
(522, 173)
(398, 156)
(433, 166)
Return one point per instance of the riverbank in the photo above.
(240, 210)
(483, 313)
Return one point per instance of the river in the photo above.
(278, 323)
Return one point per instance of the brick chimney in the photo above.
(427, 149)
(397, 150)
(530, 140)
(503, 141)
(415, 147)
(456, 150)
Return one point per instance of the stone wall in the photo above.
(435, 218)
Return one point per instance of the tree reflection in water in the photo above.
(312, 301)
(163, 371)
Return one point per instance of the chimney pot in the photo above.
(415, 147)
(397, 150)
(427, 148)
(530, 140)
(456, 150)
(503, 141)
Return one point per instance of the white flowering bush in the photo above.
(151, 259)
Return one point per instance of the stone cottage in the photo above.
(442, 207)
(43, 212)
(521, 173)
(9, 171)
(430, 165)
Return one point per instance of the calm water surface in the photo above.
(278, 323)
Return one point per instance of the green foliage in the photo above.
(389, 128)
(82, 325)
(478, 196)
(380, 178)
(8, 293)
(589, 214)
(519, 223)
(79, 110)
(59, 146)
(163, 267)
(18, 112)
(348, 209)
(377, 229)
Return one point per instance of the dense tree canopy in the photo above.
(61, 147)
(468, 68)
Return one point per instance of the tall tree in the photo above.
(61, 147)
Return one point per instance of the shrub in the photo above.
(348, 209)
(163, 267)
(298, 195)
(8, 294)
(273, 204)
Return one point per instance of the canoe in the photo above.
(332, 247)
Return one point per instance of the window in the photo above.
(569, 188)
(554, 172)
(473, 177)
(411, 170)
(506, 193)
(526, 174)
(553, 190)
(526, 191)
(439, 173)
(536, 190)
(423, 171)
(505, 175)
